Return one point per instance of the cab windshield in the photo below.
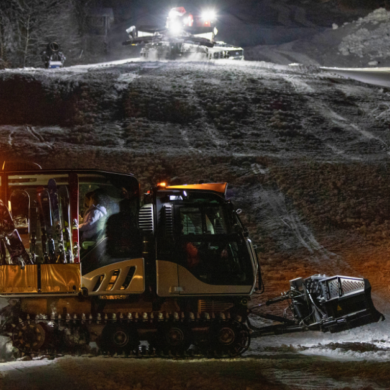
(207, 219)
(205, 240)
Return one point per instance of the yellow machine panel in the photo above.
(15, 280)
(54, 304)
(216, 187)
(60, 278)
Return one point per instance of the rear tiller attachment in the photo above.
(324, 303)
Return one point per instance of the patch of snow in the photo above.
(342, 153)
(282, 222)
(355, 44)
(368, 40)
(367, 342)
(258, 169)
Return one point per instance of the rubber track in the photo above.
(190, 319)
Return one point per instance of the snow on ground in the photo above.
(370, 342)
(374, 76)
(371, 37)
(253, 85)
(355, 359)
(278, 362)
(362, 43)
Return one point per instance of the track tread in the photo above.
(159, 319)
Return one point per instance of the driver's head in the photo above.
(100, 197)
(87, 199)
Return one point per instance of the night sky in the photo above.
(249, 22)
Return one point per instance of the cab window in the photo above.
(203, 239)
(108, 208)
(203, 220)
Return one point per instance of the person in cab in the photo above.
(95, 215)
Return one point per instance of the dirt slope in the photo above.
(306, 155)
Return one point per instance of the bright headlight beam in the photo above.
(176, 28)
(173, 12)
(209, 15)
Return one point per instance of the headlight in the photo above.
(209, 15)
(176, 27)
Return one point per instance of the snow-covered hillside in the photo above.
(305, 154)
(365, 42)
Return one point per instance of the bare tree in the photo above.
(2, 48)
(33, 14)
(27, 39)
(18, 22)
(27, 26)
(8, 46)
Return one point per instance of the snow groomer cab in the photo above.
(78, 252)
(200, 244)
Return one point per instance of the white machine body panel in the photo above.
(113, 279)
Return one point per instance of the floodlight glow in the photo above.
(173, 13)
(189, 20)
(209, 15)
(176, 27)
(178, 11)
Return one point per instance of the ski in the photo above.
(57, 223)
(11, 240)
(64, 216)
(74, 207)
(24, 218)
(45, 219)
(33, 232)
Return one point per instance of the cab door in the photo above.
(213, 260)
(110, 244)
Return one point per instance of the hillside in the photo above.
(361, 43)
(305, 154)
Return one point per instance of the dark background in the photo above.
(250, 22)
(26, 26)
